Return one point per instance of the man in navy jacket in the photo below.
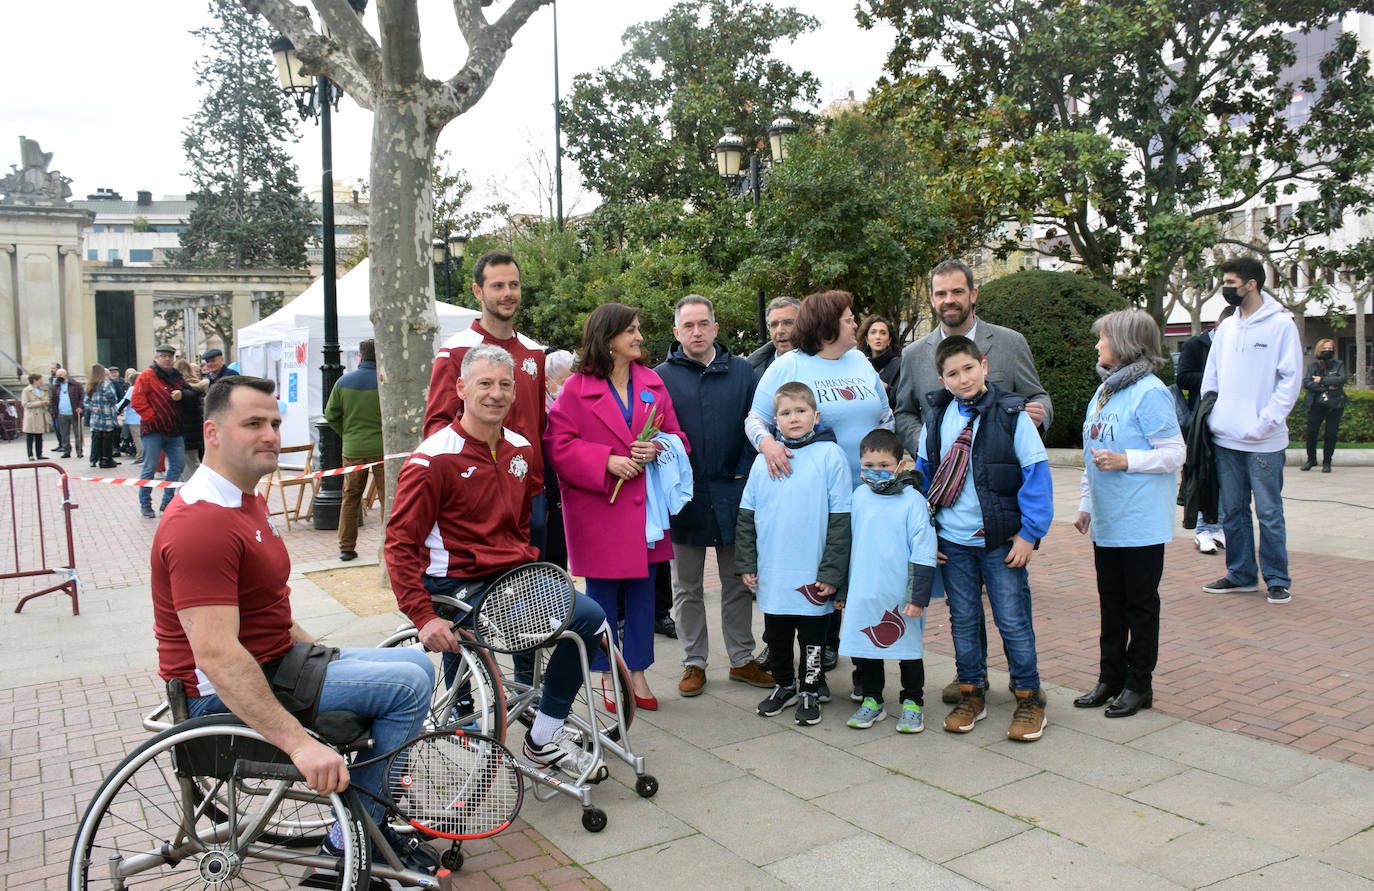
(711, 391)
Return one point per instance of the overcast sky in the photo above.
(107, 87)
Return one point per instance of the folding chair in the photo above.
(300, 481)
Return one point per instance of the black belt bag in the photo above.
(297, 679)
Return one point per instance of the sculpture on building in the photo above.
(33, 184)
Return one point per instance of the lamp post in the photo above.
(446, 250)
(314, 98)
(729, 154)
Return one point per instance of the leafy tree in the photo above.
(1123, 134)
(646, 127)
(250, 210)
(1055, 311)
(852, 208)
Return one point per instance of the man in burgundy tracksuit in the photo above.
(158, 391)
(496, 285)
(461, 517)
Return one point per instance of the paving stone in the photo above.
(1091, 760)
(1297, 872)
(1206, 855)
(632, 822)
(868, 862)
(805, 766)
(935, 824)
(676, 763)
(1354, 855)
(1257, 763)
(690, 864)
(1040, 859)
(945, 760)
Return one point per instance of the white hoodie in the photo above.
(1255, 368)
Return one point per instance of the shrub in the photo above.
(1357, 423)
(1055, 311)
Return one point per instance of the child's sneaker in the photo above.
(856, 693)
(911, 720)
(808, 709)
(869, 712)
(779, 699)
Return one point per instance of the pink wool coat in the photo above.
(585, 428)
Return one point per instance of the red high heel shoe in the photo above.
(648, 703)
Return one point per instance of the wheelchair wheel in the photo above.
(178, 814)
(474, 698)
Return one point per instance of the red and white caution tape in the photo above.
(163, 484)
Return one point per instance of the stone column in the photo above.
(9, 309)
(143, 327)
(79, 309)
(240, 316)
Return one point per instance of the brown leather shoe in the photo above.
(693, 679)
(971, 709)
(753, 674)
(950, 694)
(1028, 721)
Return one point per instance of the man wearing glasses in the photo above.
(782, 316)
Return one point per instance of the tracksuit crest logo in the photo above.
(519, 467)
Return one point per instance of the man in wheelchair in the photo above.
(461, 517)
(222, 616)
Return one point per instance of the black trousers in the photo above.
(1128, 593)
(34, 441)
(871, 677)
(779, 632)
(1316, 416)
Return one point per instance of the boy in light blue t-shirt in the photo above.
(792, 547)
(987, 477)
(891, 571)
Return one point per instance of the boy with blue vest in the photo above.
(987, 479)
(792, 547)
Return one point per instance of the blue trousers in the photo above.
(391, 687)
(153, 444)
(1241, 475)
(637, 647)
(967, 569)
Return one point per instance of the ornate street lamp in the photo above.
(457, 246)
(314, 98)
(729, 151)
(780, 132)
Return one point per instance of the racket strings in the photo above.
(456, 785)
(526, 607)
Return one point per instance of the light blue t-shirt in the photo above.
(1131, 510)
(64, 400)
(849, 396)
(962, 522)
(889, 533)
(790, 519)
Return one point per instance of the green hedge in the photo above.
(1055, 311)
(1357, 423)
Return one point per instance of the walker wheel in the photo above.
(593, 819)
(451, 859)
(646, 786)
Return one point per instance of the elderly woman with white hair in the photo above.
(1132, 447)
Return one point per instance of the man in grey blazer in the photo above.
(953, 300)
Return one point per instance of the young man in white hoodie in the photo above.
(1255, 368)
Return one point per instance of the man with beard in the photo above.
(496, 285)
(953, 300)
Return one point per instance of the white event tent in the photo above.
(288, 346)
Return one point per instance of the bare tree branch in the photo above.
(403, 64)
(317, 55)
(487, 46)
(347, 27)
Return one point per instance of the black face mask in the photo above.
(1232, 296)
(1326, 355)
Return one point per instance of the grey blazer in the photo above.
(1010, 366)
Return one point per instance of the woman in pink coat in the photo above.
(591, 441)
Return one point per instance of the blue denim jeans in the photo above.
(391, 686)
(563, 673)
(1242, 474)
(153, 445)
(966, 570)
(1212, 528)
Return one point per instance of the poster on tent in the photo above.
(293, 387)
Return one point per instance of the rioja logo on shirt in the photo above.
(842, 389)
(529, 367)
(888, 631)
(519, 467)
(813, 594)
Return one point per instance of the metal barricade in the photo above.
(23, 540)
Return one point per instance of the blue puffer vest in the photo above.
(996, 472)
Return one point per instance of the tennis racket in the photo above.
(525, 608)
(445, 783)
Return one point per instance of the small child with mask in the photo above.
(891, 571)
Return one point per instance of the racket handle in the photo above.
(268, 770)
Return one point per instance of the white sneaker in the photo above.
(1219, 538)
(566, 754)
(1206, 544)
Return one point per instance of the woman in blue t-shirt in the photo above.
(1131, 449)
